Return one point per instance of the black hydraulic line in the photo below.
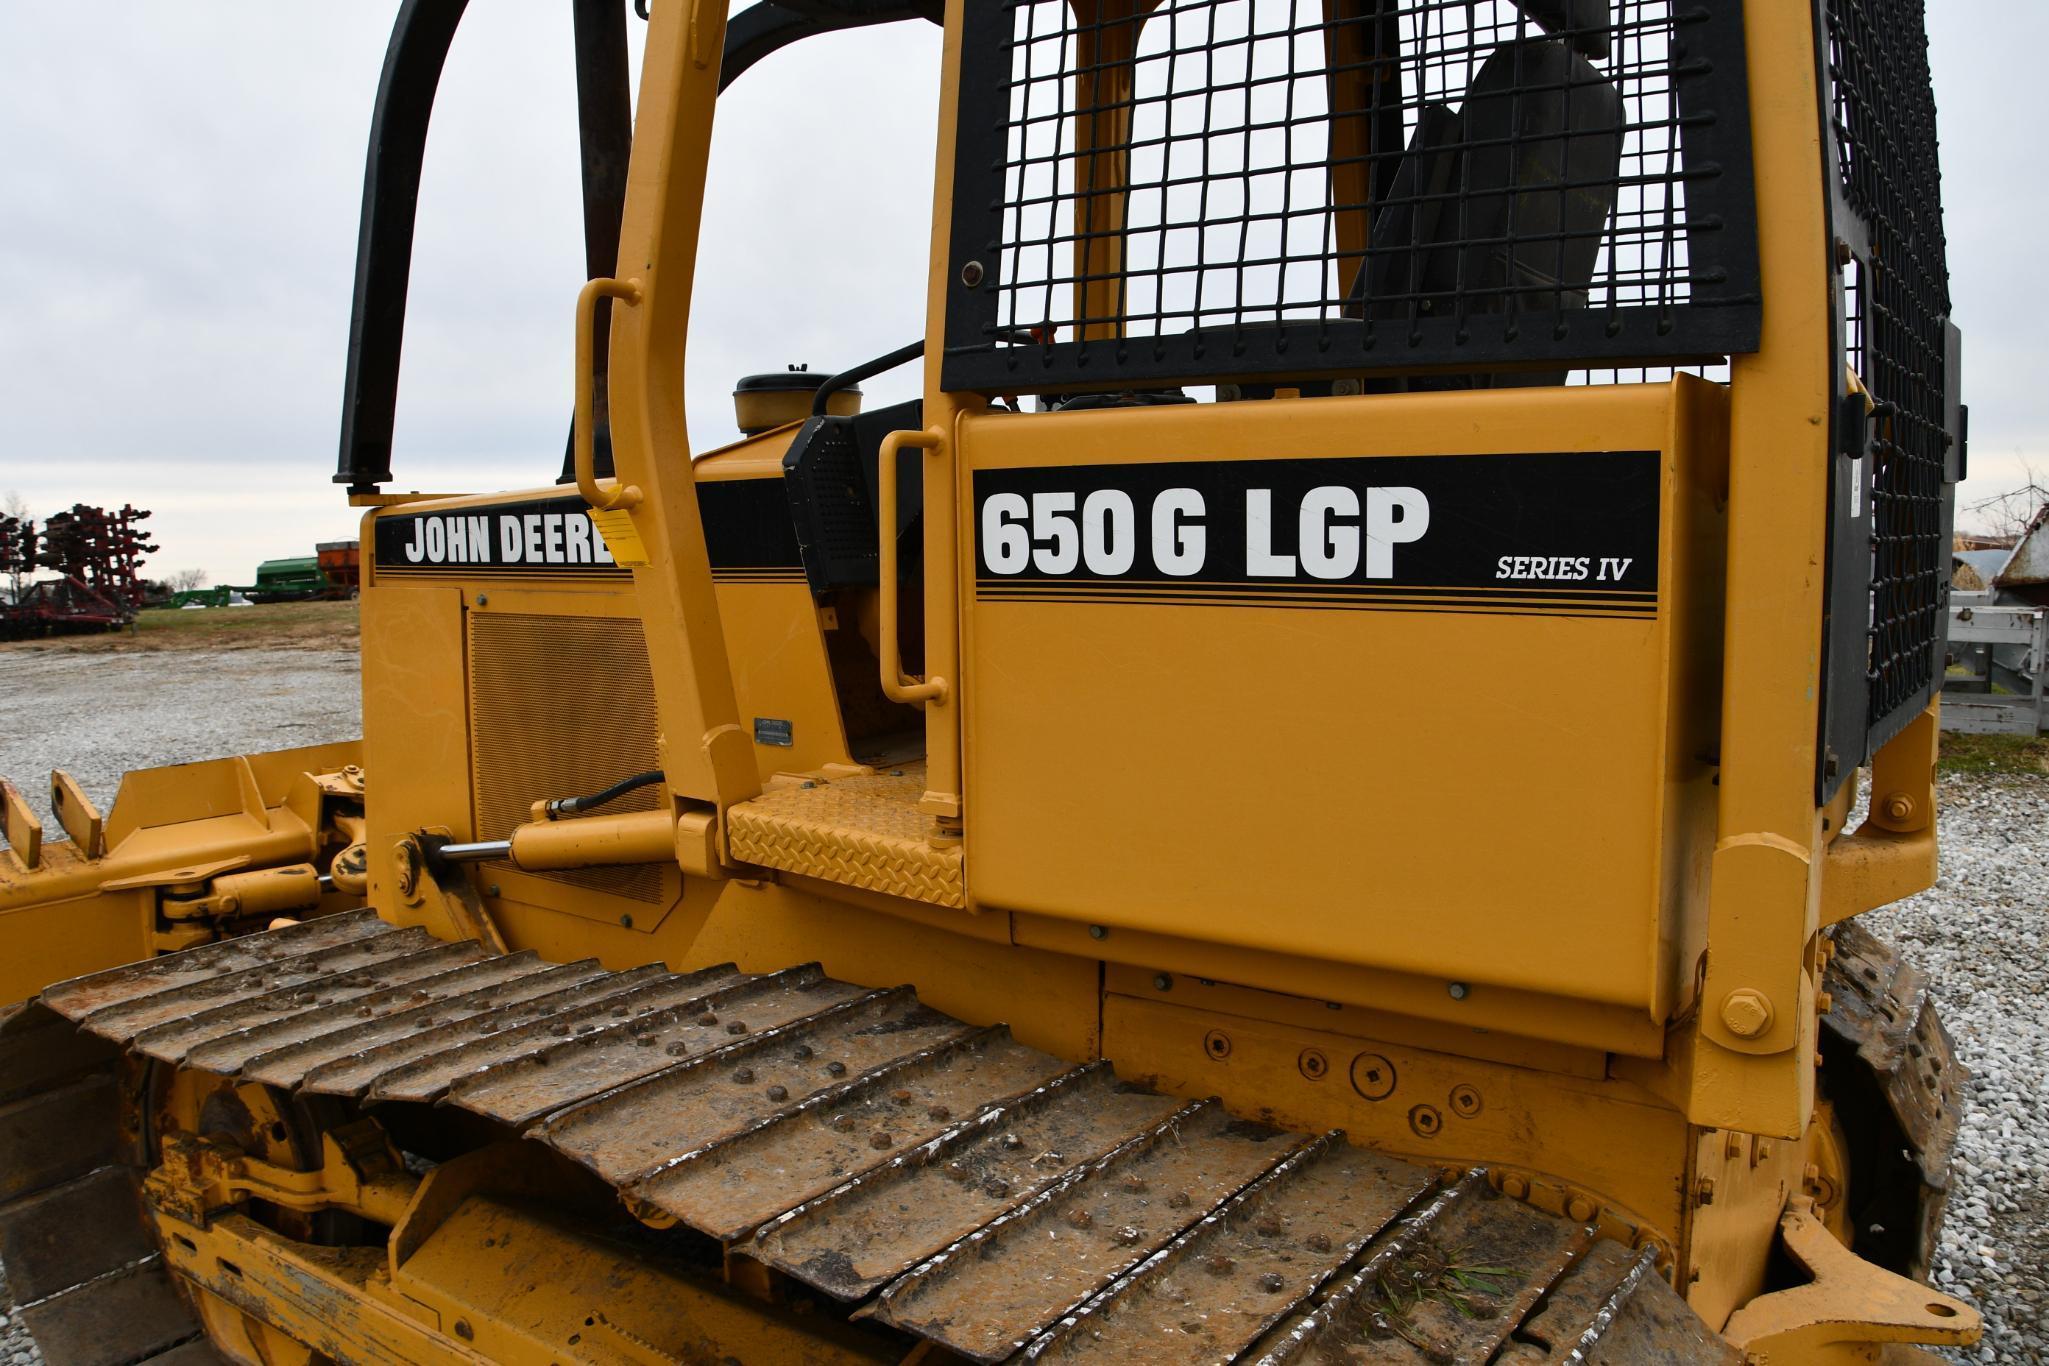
(865, 370)
(576, 806)
(384, 238)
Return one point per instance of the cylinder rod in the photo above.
(482, 852)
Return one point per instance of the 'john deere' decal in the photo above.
(545, 536)
(1572, 534)
(747, 533)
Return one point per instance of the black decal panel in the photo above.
(748, 536)
(1556, 534)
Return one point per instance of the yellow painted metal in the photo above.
(781, 668)
(895, 686)
(1848, 1308)
(23, 830)
(1214, 762)
(1566, 928)
(633, 837)
(863, 831)
(172, 837)
(1763, 893)
(1610, 1141)
(944, 497)
(706, 752)
(611, 495)
(1892, 854)
(77, 814)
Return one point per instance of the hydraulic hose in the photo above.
(576, 806)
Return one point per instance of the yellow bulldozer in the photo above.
(1015, 875)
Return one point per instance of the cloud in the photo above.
(177, 246)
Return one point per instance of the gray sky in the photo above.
(177, 245)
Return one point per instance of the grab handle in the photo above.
(896, 685)
(610, 494)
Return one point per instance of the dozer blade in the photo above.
(937, 1177)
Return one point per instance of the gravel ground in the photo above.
(1980, 931)
(99, 715)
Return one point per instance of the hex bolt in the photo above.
(1098, 932)
(1898, 806)
(626, 921)
(1515, 1187)
(1704, 1191)
(1162, 982)
(1746, 1012)
(1579, 1209)
(483, 599)
(971, 274)
(1458, 990)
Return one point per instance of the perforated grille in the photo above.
(1883, 116)
(1213, 186)
(559, 707)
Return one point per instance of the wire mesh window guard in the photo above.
(1157, 192)
(1896, 337)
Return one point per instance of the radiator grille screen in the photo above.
(1882, 109)
(561, 706)
(1213, 186)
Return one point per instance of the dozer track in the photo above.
(1898, 1088)
(928, 1174)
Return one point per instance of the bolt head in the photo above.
(1746, 1013)
(1162, 982)
(1458, 990)
(971, 274)
(1899, 807)
(1098, 932)
(1373, 1076)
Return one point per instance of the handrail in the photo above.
(896, 685)
(610, 494)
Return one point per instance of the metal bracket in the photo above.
(1848, 1305)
